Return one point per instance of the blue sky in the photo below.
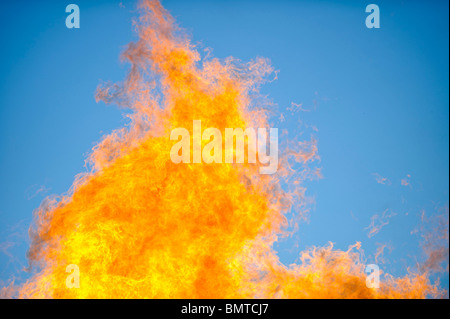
(378, 97)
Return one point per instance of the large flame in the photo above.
(140, 226)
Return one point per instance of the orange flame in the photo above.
(140, 226)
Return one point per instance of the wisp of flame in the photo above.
(140, 226)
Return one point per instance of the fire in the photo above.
(140, 226)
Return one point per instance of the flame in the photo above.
(140, 226)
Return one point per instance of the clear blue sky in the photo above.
(381, 106)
